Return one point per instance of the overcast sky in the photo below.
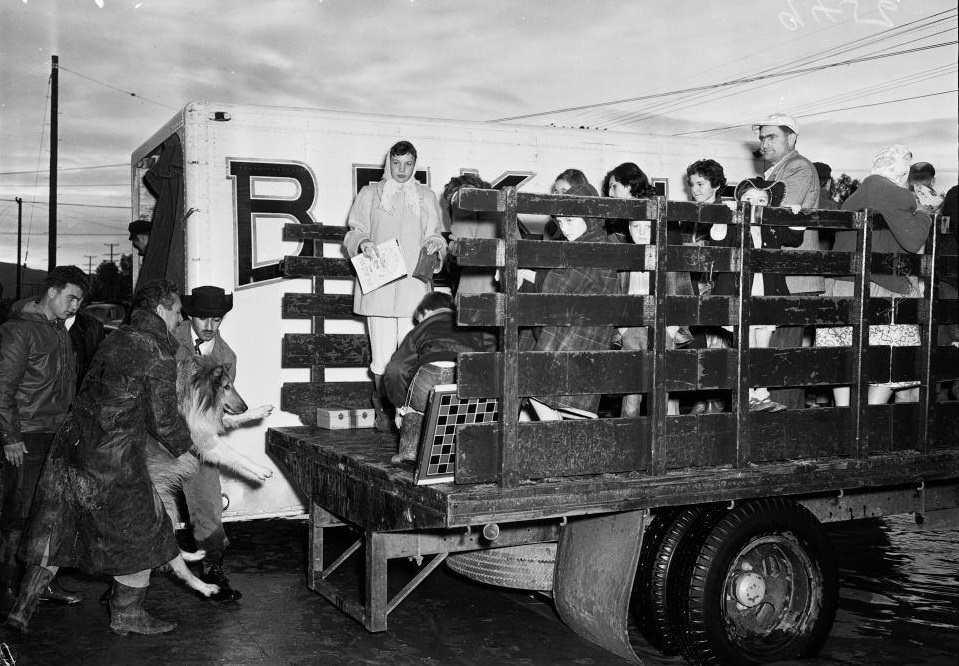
(469, 60)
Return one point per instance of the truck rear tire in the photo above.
(663, 569)
(763, 587)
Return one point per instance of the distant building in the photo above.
(31, 284)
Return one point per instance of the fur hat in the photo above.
(775, 188)
(207, 302)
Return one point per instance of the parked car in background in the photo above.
(110, 314)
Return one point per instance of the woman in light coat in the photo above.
(396, 207)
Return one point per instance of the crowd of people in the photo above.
(78, 410)
(77, 407)
(903, 192)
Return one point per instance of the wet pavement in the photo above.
(899, 604)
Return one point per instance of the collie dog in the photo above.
(210, 405)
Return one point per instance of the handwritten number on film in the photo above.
(793, 20)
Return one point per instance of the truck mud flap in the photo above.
(595, 565)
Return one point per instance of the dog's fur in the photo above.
(210, 405)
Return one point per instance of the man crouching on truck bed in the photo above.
(427, 358)
(396, 207)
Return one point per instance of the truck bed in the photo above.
(349, 473)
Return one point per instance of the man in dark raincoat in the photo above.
(96, 508)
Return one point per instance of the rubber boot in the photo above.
(127, 615)
(409, 436)
(382, 420)
(11, 572)
(35, 581)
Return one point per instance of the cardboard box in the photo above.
(344, 419)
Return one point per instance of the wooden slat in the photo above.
(891, 428)
(700, 441)
(945, 363)
(555, 310)
(614, 372)
(554, 448)
(319, 266)
(531, 203)
(943, 426)
(555, 373)
(302, 398)
(702, 258)
(474, 200)
(801, 262)
(809, 218)
(897, 264)
(304, 350)
(321, 232)
(478, 252)
(685, 211)
(332, 306)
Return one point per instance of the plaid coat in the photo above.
(599, 281)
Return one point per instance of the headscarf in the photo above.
(394, 191)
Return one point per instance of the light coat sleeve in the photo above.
(802, 184)
(14, 356)
(432, 223)
(359, 220)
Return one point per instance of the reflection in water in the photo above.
(899, 595)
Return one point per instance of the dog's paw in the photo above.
(263, 473)
(207, 589)
(260, 412)
(195, 556)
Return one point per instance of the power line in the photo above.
(819, 113)
(707, 97)
(725, 84)
(62, 169)
(120, 90)
(61, 203)
(863, 106)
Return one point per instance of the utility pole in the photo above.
(54, 139)
(90, 258)
(19, 242)
(111, 246)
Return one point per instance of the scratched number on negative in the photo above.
(793, 20)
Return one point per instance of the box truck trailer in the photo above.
(219, 181)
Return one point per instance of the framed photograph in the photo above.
(661, 186)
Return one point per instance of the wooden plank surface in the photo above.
(572, 310)
(327, 233)
(302, 398)
(613, 372)
(318, 266)
(303, 350)
(555, 448)
(332, 306)
(348, 453)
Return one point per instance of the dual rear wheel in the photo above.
(750, 585)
